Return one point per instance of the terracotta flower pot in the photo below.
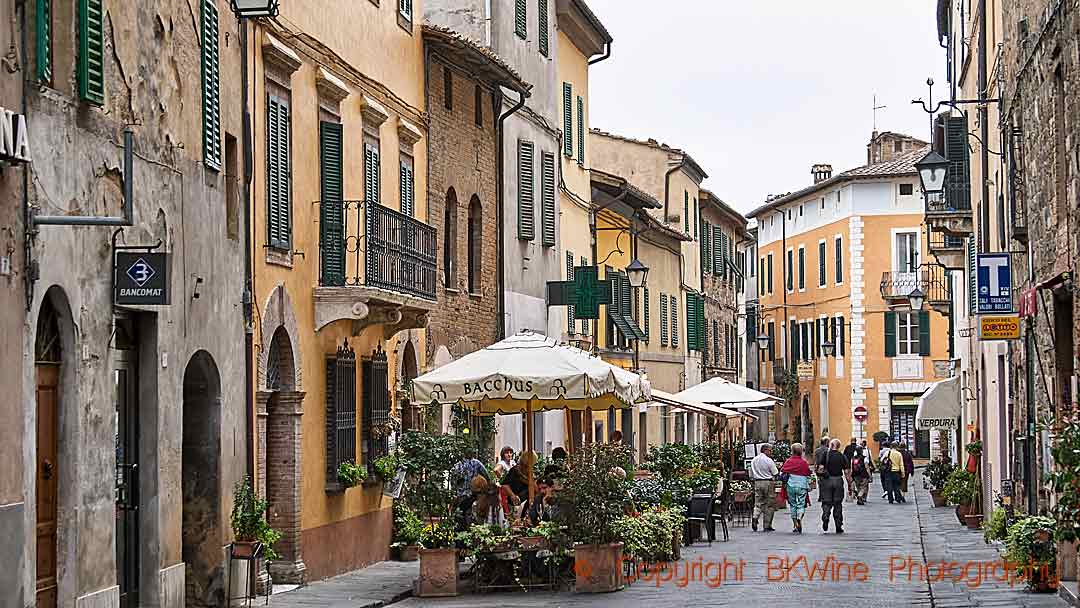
(938, 497)
(245, 549)
(962, 511)
(530, 543)
(973, 522)
(742, 496)
(598, 568)
(408, 553)
(438, 573)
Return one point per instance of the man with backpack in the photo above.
(892, 463)
(861, 474)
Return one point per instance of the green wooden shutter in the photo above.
(526, 191)
(542, 15)
(521, 20)
(821, 264)
(695, 219)
(663, 320)
(686, 212)
(211, 82)
(802, 268)
(278, 174)
(547, 198)
(958, 177)
(91, 64)
(691, 327)
(717, 253)
(674, 309)
(890, 334)
(645, 312)
(924, 333)
(724, 255)
(580, 131)
(43, 41)
(568, 118)
(331, 211)
(408, 192)
(706, 260)
(569, 277)
(972, 271)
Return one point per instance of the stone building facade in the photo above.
(723, 274)
(463, 93)
(134, 421)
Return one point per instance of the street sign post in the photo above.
(861, 413)
(994, 283)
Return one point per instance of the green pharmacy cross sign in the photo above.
(585, 293)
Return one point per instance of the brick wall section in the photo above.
(1049, 195)
(720, 305)
(462, 156)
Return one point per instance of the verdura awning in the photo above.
(939, 406)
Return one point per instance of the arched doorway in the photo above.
(48, 359)
(280, 407)
(200, 483)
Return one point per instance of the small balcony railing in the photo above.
(940, 241)
(931, 279)
(393, 251)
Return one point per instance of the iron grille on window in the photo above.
(340, 412)
(375, 430)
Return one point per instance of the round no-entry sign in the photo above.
(860, 413)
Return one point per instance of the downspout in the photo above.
(606, 55)
(667, 188)
(500, 331)
(984, 136)
(487, 23)
(249, 276)
(30, 274)
(126, 219)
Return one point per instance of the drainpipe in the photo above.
(500, 331)
(667, 188)
(30, 273)
(606, 55)
(249, 276)
(124, 220)
(984, 135)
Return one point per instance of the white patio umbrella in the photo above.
(728, 394)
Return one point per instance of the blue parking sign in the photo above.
(994, 283)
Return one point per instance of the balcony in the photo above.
(951, 212)
(376, 266)
(946, 249)
(931, 279)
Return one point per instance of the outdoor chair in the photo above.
(700, 512)
(722, 507)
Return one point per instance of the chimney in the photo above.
(821, 172)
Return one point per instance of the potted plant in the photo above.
(593, 498)
(960, 490)
(350, 474)
(937, 473)
(407, 530)
(1031, 549)
(997, 527)
(251, 531)
(386, 467)
(741, 491)
(438, 560)
(1065, 481)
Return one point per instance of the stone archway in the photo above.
(200, 483)
(279, 407)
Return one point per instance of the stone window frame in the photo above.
(373, 115)
(408, 137)
(280, 63)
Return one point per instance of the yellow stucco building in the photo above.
(343, 263)
(836, 262)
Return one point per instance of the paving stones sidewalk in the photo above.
(377, 585)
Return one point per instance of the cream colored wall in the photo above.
(573, 68)
(641, 165)
(388, 52)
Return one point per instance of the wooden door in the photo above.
(48, 376)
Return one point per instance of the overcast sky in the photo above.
(759, 90)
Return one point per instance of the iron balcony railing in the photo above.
(931, 279)
(939, 241)
(1017, 194)
(392, 250)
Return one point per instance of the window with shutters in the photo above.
(407, 186)
(972, 262)
(568, 118)
(405, 14)
(770, 273)
(476, 245)
(793, 347)
(838, 256)
(686, 212)
(570, 277)
(789, 275)
(761, 276)
(645, 311)
(372, 170)
(43, 32)
(663, 319)
(450, 236)
(91, 64)
(841, 327)
(706, 250)
(718, 251)
(448, 88)
(331, 205)
(673, 308)
(802, 268)
(821, 278)
(521, 19)
(958, 176)
(340, 413)
(526, 191)
(716, 343)
(695, 219)
(695, 322)
(584, 322)
(478, 106)
(907, 333)
(278, 173)
(580, 131)
(771, 331)
(547, 198)
(211, 83)
(545, 31)
(375, 430)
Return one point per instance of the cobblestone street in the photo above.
(879, 539)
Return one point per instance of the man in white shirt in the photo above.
(763, 474)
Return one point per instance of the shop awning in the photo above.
(939, 406)
(665, 398)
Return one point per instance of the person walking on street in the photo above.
(892, 465)
(796, 485)
(884, 465)
(861, 475)
(833, 470)
(763, 473)
(909, 468)
(823, 449)
(849, 449)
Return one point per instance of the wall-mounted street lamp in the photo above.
(828, 348)
(637, 273)
(250, 9)
(763, 341)
(916, 299)
(932, 170)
